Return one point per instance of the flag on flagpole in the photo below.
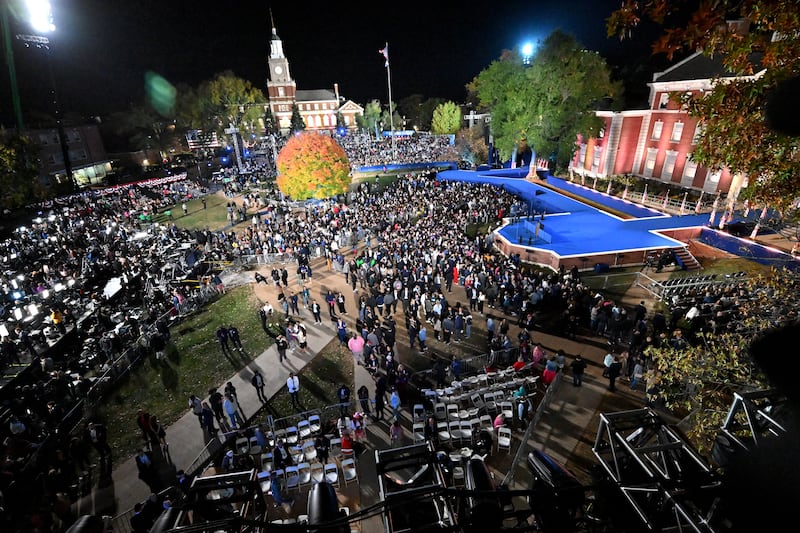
(385, 53)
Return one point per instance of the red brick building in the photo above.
(657, 142)
(318, 107)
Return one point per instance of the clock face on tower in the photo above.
(278, 69)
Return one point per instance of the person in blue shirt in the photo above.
(423, 336)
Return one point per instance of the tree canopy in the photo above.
(312, 165)
(757, 41)
(19, 172)
(549, 101)
(446, 119)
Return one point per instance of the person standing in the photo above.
(215, 399)
(143, 421)
(330, 299)
(316, 310)
(395, 402)
(157, 429)
(294, 303)
(638, 372)
(293, 386)
(229, 406)
(578, 367)
(185, 208)
(363, 398)
(340, 303)
(282, 344)
(97, 435)
(614, 370)
(233, 335)
(222, 337)
(356, 345)
(341, 331)
(395, 432)
(343, 395)
(262, 315)
(323, 446)
(258, 383)
(147, 470)
(208, 420)
(196, 405)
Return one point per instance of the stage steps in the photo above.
(686, 260)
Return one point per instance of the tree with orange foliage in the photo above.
(312, 165)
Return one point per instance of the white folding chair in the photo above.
(486, 421)
(297, 454)
(455, 431)
(332, 474)
(477, 401)
(335, 449)
(255, 447)
(504, 439)
(309, 451)
(419, 412)
(317, 472)
(440, 411)
(419, 432)
(491, 405)
(292, 434)
(507, 408)
(349, 472)
(266, 461)
(292, 477)
(314, 423)
(452, 411)
(242, 445)
(443, 431)
(304, 471)
(264, 481)
(304, 429)
(466, 431)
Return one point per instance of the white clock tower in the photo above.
(281, 88)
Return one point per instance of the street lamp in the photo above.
(40, 20)
(527, 53)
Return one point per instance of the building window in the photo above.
(657, 127)
(663, 101)
(77, 155)
(316, 107)
(281, 91)
(650, 162)
(677, 131)
(714, 175)
(596, 158)
(698, 131)
(689, 169)
(669, 165)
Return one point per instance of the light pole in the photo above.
(12, 71)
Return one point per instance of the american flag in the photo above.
(385, 53)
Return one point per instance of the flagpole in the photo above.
(391, 114)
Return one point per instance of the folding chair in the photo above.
(452, 411)
(419, 412)
(507, 408)
(304, 429)
(440, 411)
(264, 481)
(455, 431)
(477, 401)
(314, 423)
(419, 432)
(297, 454)
(486, 421)
(335, 449)
(317, 472)
(309, 451)
(443, 431)
(242, 445)
(349, 472)
(491, 405)
(304, 471)
(255, 447)
(504, 439)
(332, 474)
(292, 434)
(466, 431)
(266, 461)
(292, 477)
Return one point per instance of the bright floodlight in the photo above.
(40, 16)
(527, 49)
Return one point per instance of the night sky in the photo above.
(102, 48)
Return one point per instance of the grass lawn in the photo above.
(320, 379)
(194, 363)
(214, 216)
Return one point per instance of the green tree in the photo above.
(758, 59)
(270, 124)
(372, 117)
(312, 165)
(19, 172)
(446, 119)
(548, 102)
(296, 123)
(145, 129)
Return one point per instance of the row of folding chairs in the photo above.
(302, 430)
(305, 451)
(303, 475)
